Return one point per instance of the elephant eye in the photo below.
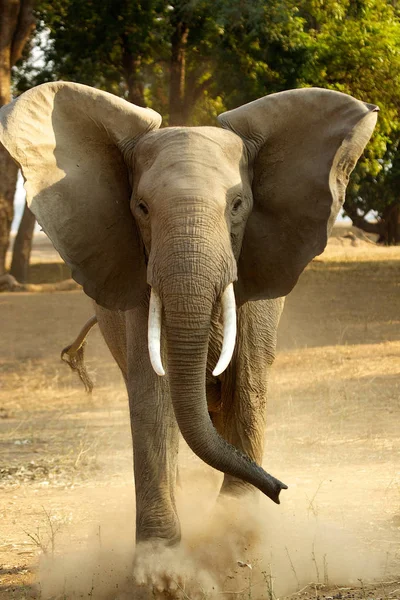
(236, 205)
(143, 208)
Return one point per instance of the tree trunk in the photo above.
(392, 220)
(177, 104)
(8, 169)
(379, 228)
(16, 25)
(23, 246)
(8, 180)
(133, 78)
(387, 228)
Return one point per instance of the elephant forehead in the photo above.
(190, 148)
(202, 161)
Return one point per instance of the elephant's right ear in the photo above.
(70, 141)
(302, 145)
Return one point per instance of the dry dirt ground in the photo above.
(66, 492)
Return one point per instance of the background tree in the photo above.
(380, 193)
(263, 49)
(22, 247)
(151, 53)
(355, 48)
(104, 44)
(193, 35)
(16, 25)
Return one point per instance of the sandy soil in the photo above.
(66, 492)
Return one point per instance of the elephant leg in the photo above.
(113, 329)
(242, 420)
(155, 438)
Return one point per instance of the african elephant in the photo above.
(164, 228)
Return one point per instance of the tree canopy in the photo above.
(191, 59)
(355, 48)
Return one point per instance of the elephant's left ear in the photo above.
(303, 145)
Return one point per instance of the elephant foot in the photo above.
(207, 563)
(187, 571)
(156, 572)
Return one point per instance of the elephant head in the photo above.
(188, 212)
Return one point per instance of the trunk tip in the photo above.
(274, 488)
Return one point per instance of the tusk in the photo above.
(154, 332)
(229, 322)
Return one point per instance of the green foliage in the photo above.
(96, 43)
(355, 48)
(262, 49)
(378, 191)
(232, 52)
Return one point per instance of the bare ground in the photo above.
(66, 492)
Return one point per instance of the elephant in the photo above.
(188, 239)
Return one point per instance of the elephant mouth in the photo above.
(228, 306)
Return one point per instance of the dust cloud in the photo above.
(229, 548)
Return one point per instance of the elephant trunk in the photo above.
(189, 296)
(187, 359)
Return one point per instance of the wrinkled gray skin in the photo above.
(192, 222)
